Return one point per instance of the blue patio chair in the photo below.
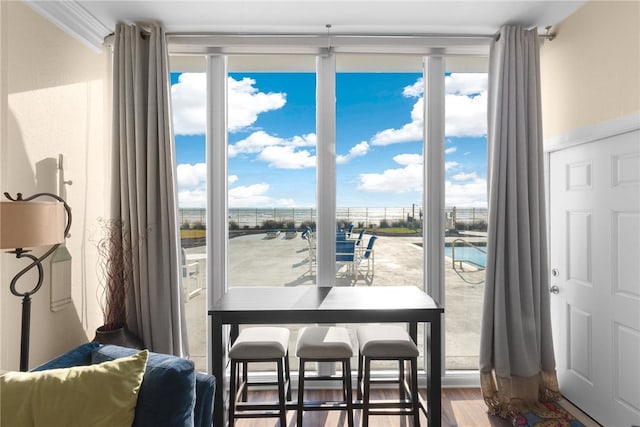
(358, 240)
(349, 230)
(366, 256)
(346, 254)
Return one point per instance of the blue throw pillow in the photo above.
(167, 394)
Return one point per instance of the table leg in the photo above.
(413, 331)
(434, 375)
(218, 356)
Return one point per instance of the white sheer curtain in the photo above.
(517, 364)
(144, 188)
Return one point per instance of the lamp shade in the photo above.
(31, 224)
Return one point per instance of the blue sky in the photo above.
(271, 122)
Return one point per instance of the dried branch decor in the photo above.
(116, 267)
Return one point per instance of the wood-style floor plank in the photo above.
(461, 407)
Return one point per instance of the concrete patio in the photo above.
(255, 260)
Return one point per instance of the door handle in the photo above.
(554, 290)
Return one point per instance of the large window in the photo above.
(272, 203)
(272, 177)
(466, 216)
(379, 180)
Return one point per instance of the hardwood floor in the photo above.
(462, 407)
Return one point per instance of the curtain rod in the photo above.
(334, 38)
(548, 35)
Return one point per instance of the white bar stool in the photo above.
(259, 344)
(388, 342)
(325, 344)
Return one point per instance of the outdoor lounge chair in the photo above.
(290, 233)
(272, 234)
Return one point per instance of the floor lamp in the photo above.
(25, 223)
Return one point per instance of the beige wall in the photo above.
(54, 98)
(591, 72)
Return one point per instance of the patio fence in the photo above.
(455, 217)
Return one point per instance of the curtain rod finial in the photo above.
(549, 35)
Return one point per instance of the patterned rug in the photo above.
(547, 415)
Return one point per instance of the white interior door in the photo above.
(595, 262)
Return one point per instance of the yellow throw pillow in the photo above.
(96, 395)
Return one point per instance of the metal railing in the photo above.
(460, 270)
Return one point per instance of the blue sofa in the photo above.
(172, 393)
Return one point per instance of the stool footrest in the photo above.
(324, 405)
(272, 414)
(251, 406)
(385, 381)
(390, 411)
(324, 378)
(390, 403)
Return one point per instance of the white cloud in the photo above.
(245, 101)
(450, 150)
(357, 150)
(465, 83)
(465, 176)
(465, 112)
(192, 176)
(277, 152)
(464, 189)
(466, 115)
(472, 193)
(255, 196)
(409, 132)
(192, 185)
(259, 140)
(286, 157)
(188, 104)
(401, 180)
(231, 179)
(408, 159)
(415, 90)
(192, 199)
(455, 83)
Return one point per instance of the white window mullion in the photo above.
(216, 154)
(326, 170)
(434, 182)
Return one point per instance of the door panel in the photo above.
(595, 259)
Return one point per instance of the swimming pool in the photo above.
(466, 253)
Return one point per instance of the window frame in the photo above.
(434, 67)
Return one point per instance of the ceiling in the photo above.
(430, 17)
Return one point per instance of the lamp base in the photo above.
(120, 336)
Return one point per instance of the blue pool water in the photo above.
(466, 253)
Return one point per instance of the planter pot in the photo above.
(120, 336)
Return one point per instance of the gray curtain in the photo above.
(144, 188)
(517, 365)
